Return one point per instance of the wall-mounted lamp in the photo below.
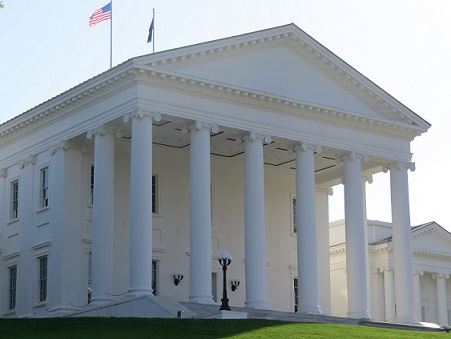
(235, 283)
(177, 279)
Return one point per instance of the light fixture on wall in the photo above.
(177, 279)
(235, 283)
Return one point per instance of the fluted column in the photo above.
(389, 295)
(355, 235)
(322, 236)
(200, 213)
(140, 279)
(254, 215)
(306, 228)
(402, 243)
(417, 293)
(442, 303)
(103, 215)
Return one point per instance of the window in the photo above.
(91, 186)
(44, 188)
(154, 194)
(14, 214)
(12, 287)
(154, 277)
(43, 278)
(296, 295)
(294, 215)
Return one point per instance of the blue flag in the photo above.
(149, 38)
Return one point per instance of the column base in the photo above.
(310, 309)
(202, 300)
(100, 301)
(257, 305)
(359, 315)
(139, 292)
(409, 319)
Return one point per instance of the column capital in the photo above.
(65, 145)
(30, 160)
(385, 269)
(141, 114)
(3, 172)
(253, 136)
(339, 158)
(418, 272)
(328, 190)
(367, 178)
(199, 125)
(440, 276)
(103, 130)
(399, 165)
(303, 147)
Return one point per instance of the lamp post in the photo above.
(224, 259)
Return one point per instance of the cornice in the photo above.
(63, 104)
(424, 253)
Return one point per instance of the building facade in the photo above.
(431, 248)
(148, 170)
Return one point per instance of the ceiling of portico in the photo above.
(225, 144)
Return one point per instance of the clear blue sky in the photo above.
(404, 46)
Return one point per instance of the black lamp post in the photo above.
(224, 259)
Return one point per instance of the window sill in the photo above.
(41, 304)
(13, 221)
(9, 313)
(43, 209)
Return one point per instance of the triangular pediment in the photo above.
(431, 238)
(285, 62)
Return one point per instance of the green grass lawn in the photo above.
(189, 328)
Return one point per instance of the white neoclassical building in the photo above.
(148, 170)
(431, 249)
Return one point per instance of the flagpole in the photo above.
(111, 36)
(153, 20)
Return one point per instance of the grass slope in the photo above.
(188, 328)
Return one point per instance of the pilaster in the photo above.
(389, 294)
(322, 229)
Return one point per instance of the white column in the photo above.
(417, 292)
(366, 179)
(355, 236)
(306, 228)
(200, 214)
(389, 295)
(442, 303)
(254, 223)
(140, 279)
(402, 243)
(322, 229)
(103, 216)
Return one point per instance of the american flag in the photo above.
(100, 15)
